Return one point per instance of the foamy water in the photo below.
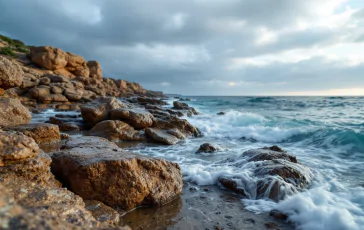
(326, 135)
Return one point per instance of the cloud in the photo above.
(204, 46)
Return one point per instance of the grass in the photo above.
(7, 51)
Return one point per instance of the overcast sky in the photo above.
(206, 47)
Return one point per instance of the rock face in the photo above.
(12, 112)
(42, 133)
(98, 170)
(207, 148)
(49, 57)
(116, 131)
(99, 109)
(278, 174)
(137, 118)
(11, 74)
(33, 198)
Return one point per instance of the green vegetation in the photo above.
(22, 49)
(7, 51)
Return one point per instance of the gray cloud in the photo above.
(187, 46)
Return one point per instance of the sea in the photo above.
(326, 134)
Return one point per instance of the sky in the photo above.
(206, 47)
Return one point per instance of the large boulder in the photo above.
(277, 174)
(12, 112)
(49, 57)
(11, 74)
(75, 62)
(138, 118)
(30, 196)
(116, 131)
(42, 133)
(99, 109)
(95, 70)
(97, 169)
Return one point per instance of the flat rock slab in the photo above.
(97, 169)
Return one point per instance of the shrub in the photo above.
(22, 49)
(7, 51)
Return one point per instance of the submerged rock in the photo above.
(97, 169)
(207, 148)
(116, 131)
(276, 174)
(12, 112)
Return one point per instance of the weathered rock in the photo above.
(56, 90)
(207, 148)
(162, 136)
(16, 147)
(183, 106)
(95, 70)
(44, 81)
(75, 62)
(116, 131)
(99, 109)
(42, 133)
(12, 112)
(82, 72)
(98, 170)
(49, 57)
(137, 118)
(57, 78)
(65, 136)
(175, 123)
(73, 94)
(52, 98)
(150, 101)
(69, 126)
(11, 74)
(102, 212)
(39, 92)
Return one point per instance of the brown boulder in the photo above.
(162, 136)
(137, 118)
(52, 98)
(38, 92)
(42, 133)
(82, 72)
(99, 109)
(75, 62)
(176, 123)
(44, 81)
(95, 70)
(98, 170)
(116, 131)
(11, 74)
(49, 57)
(12, 112)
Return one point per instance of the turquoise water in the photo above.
(325, 133)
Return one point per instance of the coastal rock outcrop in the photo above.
(97, 169)
(49, 57)
(176, 123)
(184, 107)
(11, 74)
(161, 136)
(277, 174)
(99, 109)
(116, 131)
(12, 112)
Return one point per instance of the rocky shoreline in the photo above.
(87, 181)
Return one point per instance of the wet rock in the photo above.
(97, 169)
(99, 109)
(150, 101)
(221, 113)
(137, 118)
(102, 212)
(183, 106)
(232, 184)
(11, 74)
(161, 136)
(278, 214)
(116, 131)
(65, 136)
(176, 123)
(271, 225)
(42, 133)
(278, 174)
(12, 112)
(207, 148)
